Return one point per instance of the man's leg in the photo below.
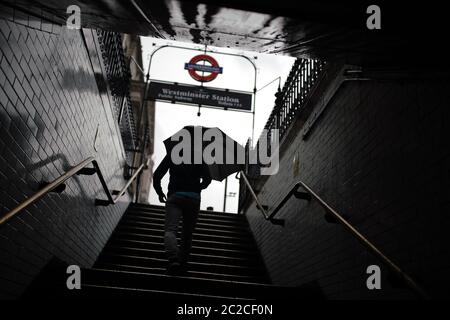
(190, 216)
(173, 215)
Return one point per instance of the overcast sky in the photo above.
(238, 74)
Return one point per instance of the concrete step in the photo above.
(153, 262)
(195, 242)
(190, 274)
(109, 292)
(181, 284)
(198, 232)
(207, 249)
(147, 221)
(203, 214)
(209, 257)
(201, 219)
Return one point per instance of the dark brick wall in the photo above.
(380, 155)
(50, 110)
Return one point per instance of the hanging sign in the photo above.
(204, 96)
(197, 68)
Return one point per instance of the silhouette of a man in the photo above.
(185, 185)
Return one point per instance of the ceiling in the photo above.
(412, 35)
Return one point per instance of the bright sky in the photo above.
(238, 74)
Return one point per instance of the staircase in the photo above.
(224, 259)
(222, 248)
(224, 263)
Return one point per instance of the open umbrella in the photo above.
(208, 146)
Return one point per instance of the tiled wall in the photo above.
(51, 111)
(380, 154)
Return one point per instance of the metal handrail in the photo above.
(255, 197)
(310, 194)
(79, 169)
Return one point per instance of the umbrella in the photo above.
(206, 146)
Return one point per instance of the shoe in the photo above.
(174, 269)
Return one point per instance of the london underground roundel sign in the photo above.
(200, 71)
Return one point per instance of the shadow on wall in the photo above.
(75, 80)
(31, 175)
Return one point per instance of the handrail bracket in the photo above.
(102, 203)
(302, 195)
(278, 222)
(87, 172)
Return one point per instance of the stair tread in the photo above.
(162, 292)
(190, 273)
(198, 231)
(191, 284)
(196, 237)
(150, 243)
(201, 214)
(162, 208)
(208, 280)
(160, 222)
(191, 263)
(139, 215)
(163, 253)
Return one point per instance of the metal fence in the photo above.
(292, 98)
(289, 102)
(118, 75)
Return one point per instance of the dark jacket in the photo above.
(183, 177)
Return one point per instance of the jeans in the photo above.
(177, 207)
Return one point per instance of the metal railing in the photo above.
(118, 74)
(291, 100)
(289, 103)
(308, 195)
(79, 169)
